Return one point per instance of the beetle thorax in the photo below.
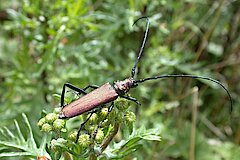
(123, 87)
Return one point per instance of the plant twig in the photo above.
(193, 128)
(212, 127)
(110, 136)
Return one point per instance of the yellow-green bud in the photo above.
(61, 141)
(103, 112)
(93, 118)
(41, 122)
(51, 117)
(84, 140)
(53, 144)
(130, 117)
(122, 104)
(59, 124)
(57, 110)
(90, 128)
(115, 115)
(46, 127)
(57, 144)
(73, 135)
(99, 136)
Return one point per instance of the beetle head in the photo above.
(123, 87)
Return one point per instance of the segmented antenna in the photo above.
(188, 76)
(142, 46)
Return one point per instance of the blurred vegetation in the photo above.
(45, 43)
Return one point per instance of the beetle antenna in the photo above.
(142, 46)
(188, 76)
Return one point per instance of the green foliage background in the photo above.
(45, 43)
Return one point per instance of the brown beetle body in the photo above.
(102, 95)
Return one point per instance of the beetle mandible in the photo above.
(110, 92)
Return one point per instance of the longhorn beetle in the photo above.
(110, 92)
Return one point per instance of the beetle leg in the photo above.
(71, 87)
(131, 99)
(81, 126)
(91, 113)
(100, 123)
(91, 86)
(84, 89)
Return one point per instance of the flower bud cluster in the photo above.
(106, 119)
(51, 122)
(121, 114)
(94, 131)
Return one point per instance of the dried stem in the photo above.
(193, 128)
(212, 127)
(110, 136)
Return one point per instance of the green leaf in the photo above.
(126, 147)
(215, 49)
(15, 145)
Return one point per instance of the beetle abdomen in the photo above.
(104, 94)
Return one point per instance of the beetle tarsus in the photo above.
(131, 99)
(62, 116)
(91, 86)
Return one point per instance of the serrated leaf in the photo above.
(125, 147)
(19, 133)
(128, 151)
(15, 145)
(14, 154)
(8, 133)
(30, 139)
(151, 137)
